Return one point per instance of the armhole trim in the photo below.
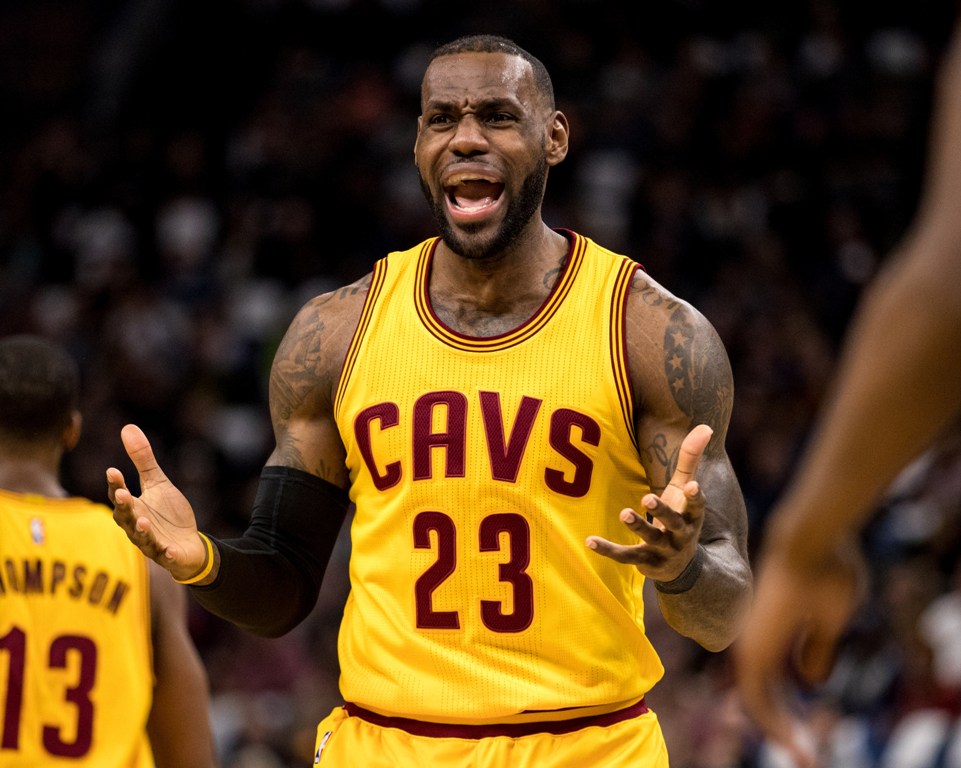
(619, 361)
(378, 276)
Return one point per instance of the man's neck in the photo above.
(486, 298)
(30, 475)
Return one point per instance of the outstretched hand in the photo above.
(669, 540)
(160, 521)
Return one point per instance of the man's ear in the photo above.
(71, 434)
(558, 139)
(420, 122)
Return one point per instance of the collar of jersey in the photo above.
(505, 340)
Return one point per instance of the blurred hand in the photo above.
(791, 636)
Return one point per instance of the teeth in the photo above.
(462, 178)
(473, 205)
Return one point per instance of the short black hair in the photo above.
(500, 44)
(39, 388)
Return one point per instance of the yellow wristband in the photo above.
(208, 565)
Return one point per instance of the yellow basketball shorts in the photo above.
(351, 736)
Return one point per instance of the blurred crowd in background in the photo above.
(177, 178)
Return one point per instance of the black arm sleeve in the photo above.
(270, 577)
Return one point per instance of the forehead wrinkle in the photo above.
(473, 103)
(484, 79)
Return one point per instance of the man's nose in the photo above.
(469, 137)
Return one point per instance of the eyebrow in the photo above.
(480, 105)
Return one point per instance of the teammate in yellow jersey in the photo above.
(97, 669)
(528, 427)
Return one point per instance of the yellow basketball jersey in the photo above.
(76, 671)
(479, 466)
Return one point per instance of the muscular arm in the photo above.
(894, 393)
(268, 580)
(896, 388)
(179, 721)
(682, 378)
(303, 382)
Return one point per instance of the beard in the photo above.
(520, 211)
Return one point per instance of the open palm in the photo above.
(160, 521)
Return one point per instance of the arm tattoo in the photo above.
(290, 455)
(658, 454)
(303, 378)
(361, 286)
(678, 351)
(294, 379)
(294, 373)
(695, 372)
(650, 295)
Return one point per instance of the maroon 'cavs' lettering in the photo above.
(568, 431)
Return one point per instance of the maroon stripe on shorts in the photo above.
(513, 730)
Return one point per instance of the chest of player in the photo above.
(543, 406)
(543, 412)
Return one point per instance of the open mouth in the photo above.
(472, 194)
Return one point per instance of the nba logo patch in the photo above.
(37, 532)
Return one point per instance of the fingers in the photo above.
(818, 648)
(843, 587)
(115, 482)
(121, 498)
(618, 552)
(781, 622)
(762, 690)
(675, 529)
(690, 511)
(677, 517)
(138, 527)
(138, 448)
(633, 553)
(657, 548)
(125, 513)
(664, 543)
(797, 748)
(689, 455)
(765, 692)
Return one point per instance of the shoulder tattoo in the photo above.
(649, 294)
(297, 364)
(697, 370)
